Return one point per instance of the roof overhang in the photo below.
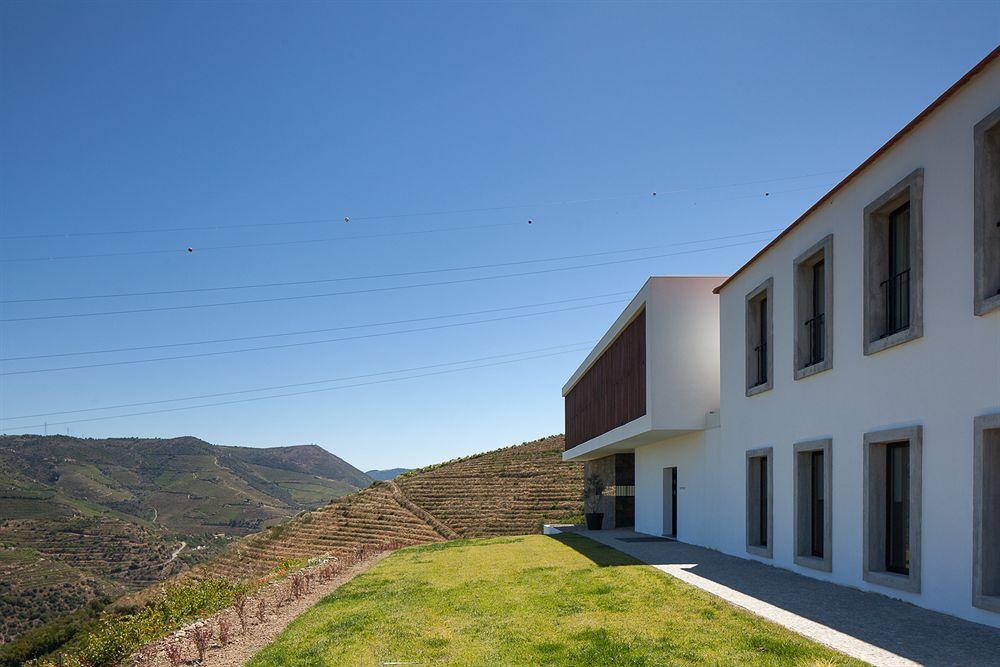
(625, 438)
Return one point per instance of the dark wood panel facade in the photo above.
(613, 391)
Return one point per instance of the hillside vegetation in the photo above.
(503, 492)
(85, 520)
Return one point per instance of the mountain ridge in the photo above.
(85, 518)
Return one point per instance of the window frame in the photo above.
(802, 268)
(802, 503)
(763, 291)
(873, 563)
(752, 499)
(984, 158)
(987, 601)
(876, 215)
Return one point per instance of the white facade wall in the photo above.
(682, 362)
(696, 494)
(940, 381)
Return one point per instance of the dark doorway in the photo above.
(897, 507)
(816, 502)
(670, 502)
(762, 499)
(624, 490)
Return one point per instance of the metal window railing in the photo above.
(816, 334)
(896, 301)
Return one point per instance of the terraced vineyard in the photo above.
(82, 519)
(34, 588)
(503, 492)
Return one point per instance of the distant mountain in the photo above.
(383, 475)
(85, 518)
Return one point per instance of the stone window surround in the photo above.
(873, 557)
(911, 190)
(757, 550)
(765, 289)
(803, 518)
(982, 424)
(800, 266)
(984, 303)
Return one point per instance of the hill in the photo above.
(85, 519)
(384, 475)
(502, 492)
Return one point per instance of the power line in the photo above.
(263, 244)
(268, 244)
(297, 393)
(300, 384)
(397, 216)
(371, 290)
(404, 274)
(310, 331)
(306, 343)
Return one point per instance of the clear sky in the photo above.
(439, 130)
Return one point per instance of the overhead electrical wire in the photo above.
(299, 384)
(404, 274)
(297, 393)
(334, 239)
(397, 216)
(371, 290)
(380, 334)
(310, 331)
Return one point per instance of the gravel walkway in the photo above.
(868, 626)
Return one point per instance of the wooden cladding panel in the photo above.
(613, 391)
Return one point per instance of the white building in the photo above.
(845, 423)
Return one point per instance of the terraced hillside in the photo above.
(503, 492)
(82, 519)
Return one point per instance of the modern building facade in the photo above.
(856, 431)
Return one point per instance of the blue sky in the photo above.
(410, 119)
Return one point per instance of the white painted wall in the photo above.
(696, 506)
(682, 351)
(682, 362)
(940, 381)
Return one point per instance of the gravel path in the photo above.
(877, 629)
(280, 609)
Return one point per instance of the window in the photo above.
(814, 309)
(759, 370)
(986, 513)
(894, 265)
(892, 508)
(986, 139)
(760, 478)
(813, 508)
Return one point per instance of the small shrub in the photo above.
(223, 631)
(201, 635)
(240, 607)
(261, 609)
(175, 655)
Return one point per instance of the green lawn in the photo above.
(530, 600)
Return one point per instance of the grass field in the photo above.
(530, 600)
